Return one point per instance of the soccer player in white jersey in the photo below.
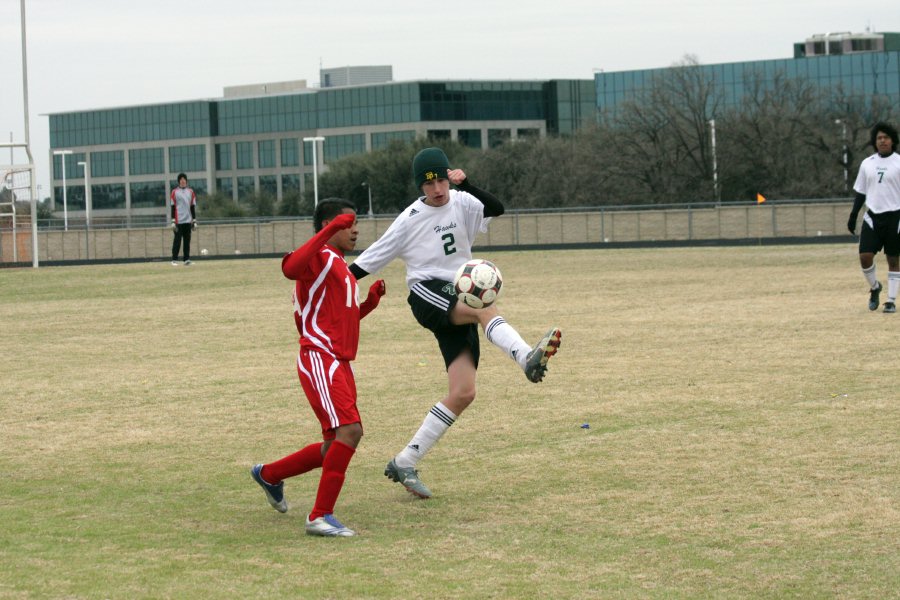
(327, 312)
(182, 206)
(434, 236)
(878, 186)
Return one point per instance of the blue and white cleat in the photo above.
(327, 526)
(274, 493)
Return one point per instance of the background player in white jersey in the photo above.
(183, 207)
(327, 313)
(878, 186)
(434, 236)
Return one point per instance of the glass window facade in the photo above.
(225, 185)
(266, 150)
(470, 137)
(339, 146)
(223, 157)
(383, 139)
(75, 199)
(290, 183)
(107, 164)
(183, 159)
(244, 154)
(868, 75)
(132, 124)
(72, 168)
(107, 196)
(147, 194)
(290, 152)
(146, 161)
(268, 184)
(246, 187)
(482, 101)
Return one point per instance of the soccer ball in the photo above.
(478, 283)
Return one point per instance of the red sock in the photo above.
(334, 468)
(299, 462)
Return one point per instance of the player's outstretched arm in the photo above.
(294, 263)
(376, 291)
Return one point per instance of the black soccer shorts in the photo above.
(431, 302)
(881, 230)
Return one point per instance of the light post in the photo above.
(368, 187)
(715, 170)
(843, 125)
(64, 154)
(87, 194)
(315, 141)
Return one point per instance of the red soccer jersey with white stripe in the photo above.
(326, 305)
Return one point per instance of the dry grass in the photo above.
(743, 441)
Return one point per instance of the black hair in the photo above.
(328, 209)
(882, 127)
(180, 175)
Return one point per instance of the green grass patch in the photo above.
(743, 440)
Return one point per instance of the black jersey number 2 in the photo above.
(449, 243)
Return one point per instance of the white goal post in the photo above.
(18, 185)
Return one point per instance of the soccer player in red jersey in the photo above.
(327, 314)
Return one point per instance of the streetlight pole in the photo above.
(368, 187)
(315, 141)
(843, 125)
(87, 193)
(715, 170)
(64, 154)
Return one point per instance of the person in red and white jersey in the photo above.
(183, 208)
(878, 186)
(327, 312)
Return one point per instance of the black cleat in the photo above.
(874, 293)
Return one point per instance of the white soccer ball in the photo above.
(204, 252)
(478, 283)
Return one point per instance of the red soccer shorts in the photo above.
(330, 388)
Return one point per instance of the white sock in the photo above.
(436, 423)
(501, 334)
(869, 274)
(893, 285)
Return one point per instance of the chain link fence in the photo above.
(150, 239)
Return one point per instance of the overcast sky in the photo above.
(85, 54)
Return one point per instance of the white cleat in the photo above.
(327, 526)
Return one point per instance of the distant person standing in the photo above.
(878, 187)
(182, 205)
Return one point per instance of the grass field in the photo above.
(744, 437)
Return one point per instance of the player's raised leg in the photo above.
(531, 359)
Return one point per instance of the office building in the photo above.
(866, 64)
(252, 139)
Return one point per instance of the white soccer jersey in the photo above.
(433, 241)
(879, 180)
(183, 198)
